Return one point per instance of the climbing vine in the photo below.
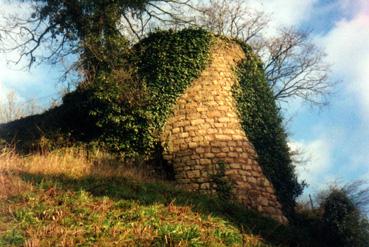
(127, 103)
(127, 106)
(168, 62)
(262, 122)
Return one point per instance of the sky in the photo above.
(334, 139)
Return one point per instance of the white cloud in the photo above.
(354, 7)
(4, 91)
(317, 156)
(348, 50)
(284, 13)
(289, 12)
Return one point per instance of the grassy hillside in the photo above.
(74, 198)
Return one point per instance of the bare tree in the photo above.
(29, 35)
(294, 65)
(9, 109)
(12, 109)
(232, 18)
(168, 14)
(51, 31)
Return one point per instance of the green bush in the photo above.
(128, 101)
(343, 224)
(124, 105)
(339, 219)
(223, 185)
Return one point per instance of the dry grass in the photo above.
(72, 162)
(74, 197)
(10, 185)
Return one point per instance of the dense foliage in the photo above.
(125, 107)
(262, 123)
(130, 108)
(87, 28)
(126, 104)
(342, 222)
(103, 112)
(338, 220)
(168, 62)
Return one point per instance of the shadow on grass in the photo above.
(117, 188)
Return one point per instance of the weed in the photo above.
(12, 238)
(221, 183)
(64, 198)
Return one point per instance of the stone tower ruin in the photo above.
(204, 130)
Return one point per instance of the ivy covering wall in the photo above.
(262, 122)
(125, 107)
(167, 63)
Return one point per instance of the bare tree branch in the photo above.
(294, 66)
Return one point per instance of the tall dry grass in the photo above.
(70, 162)
(156, 221)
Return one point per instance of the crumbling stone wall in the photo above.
(204, 130)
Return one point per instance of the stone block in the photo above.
(230, 172)
(176, 130)
(211, 131)
(204, 129)
(183, 146)
(214, 114)
(232, 144)
(192, 144)
(233, 154)
(193, 174)
(223, 137)
(219, 144)
(205, 186)
(201, 109)
(270, 190)
(198, 139)
(229, 132)
(223, 120)
(219, 125)
(235, 166)
(190, 128)
(221, 155)
(209, 155)
(263, 201)
(197, 121)
(184, 135)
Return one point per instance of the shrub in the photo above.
(124, 105)
(343, 224)
(222, 184)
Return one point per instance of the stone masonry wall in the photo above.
(204, 130)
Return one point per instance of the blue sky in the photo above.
(335, 139)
